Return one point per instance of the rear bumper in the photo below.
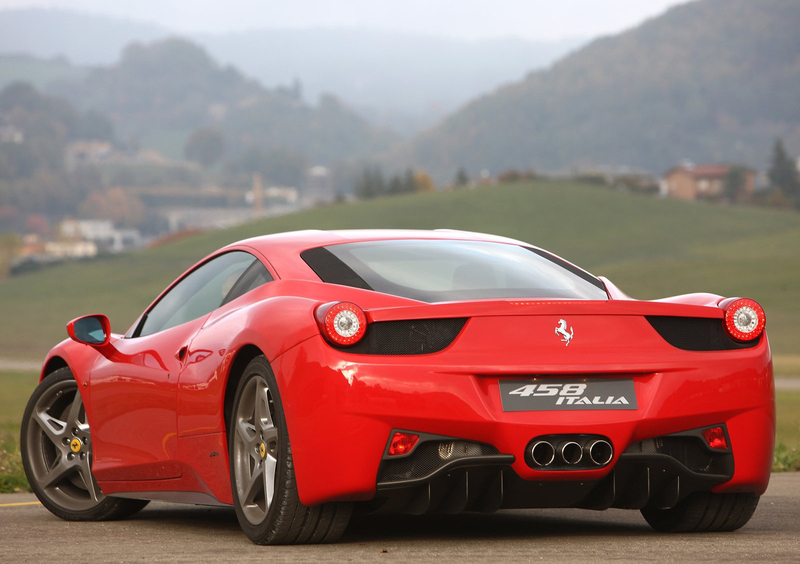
(341, 410)
(636, 481)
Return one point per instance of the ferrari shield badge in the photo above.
(561, 331)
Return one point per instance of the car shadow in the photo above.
(501, 525)
(544, 523)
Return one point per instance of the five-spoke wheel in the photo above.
(255, 450)
(56, 445)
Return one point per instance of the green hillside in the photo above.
(711, 80)
(39, 72)
(160, 89)
(650, 248)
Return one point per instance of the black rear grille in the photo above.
(408, 337)
(689, 451)
(696, 333)
(429, 457)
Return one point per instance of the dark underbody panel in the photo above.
(657, 473)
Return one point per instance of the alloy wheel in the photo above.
(59, 448)
(255, 450)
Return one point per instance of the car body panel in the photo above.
(159, 420)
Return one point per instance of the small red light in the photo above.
(342, 323)
(402, 443)
(715, 437)
(744, 319)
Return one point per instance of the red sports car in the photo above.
(300, 376)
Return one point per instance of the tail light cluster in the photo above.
(342, 323)
(744, 319)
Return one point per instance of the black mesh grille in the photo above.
(429, 457)
(416, 336)
(696, 333)
(689, 451)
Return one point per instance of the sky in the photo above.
(468, 19)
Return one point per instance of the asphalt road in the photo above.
(175, 533)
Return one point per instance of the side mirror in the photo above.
(93, 330)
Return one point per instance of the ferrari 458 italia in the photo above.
(299, 377)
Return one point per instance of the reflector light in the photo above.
(343, 323)
(744, 320)
(402, 443)
(715, 437)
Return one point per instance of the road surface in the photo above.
(174, 533)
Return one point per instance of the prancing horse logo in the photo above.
(561, 331)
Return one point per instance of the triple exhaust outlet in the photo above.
(571, 452)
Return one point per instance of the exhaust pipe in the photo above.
(571, 452)
(543, 453)
(600, 452)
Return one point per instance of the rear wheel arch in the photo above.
(243, 357)
(263, 481)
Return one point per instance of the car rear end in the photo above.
(508, 402)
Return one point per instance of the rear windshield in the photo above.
(443, 271)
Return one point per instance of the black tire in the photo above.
(59, 469)
(704, 512)
(258, 445)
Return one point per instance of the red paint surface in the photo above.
(158, 421)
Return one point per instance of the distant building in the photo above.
(691, 182)
(101, 233)
(70, 249)
(319, 184)
(86, 152)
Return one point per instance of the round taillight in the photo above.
(343, 323)
(744, 319)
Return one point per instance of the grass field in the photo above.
(650, 248)
(18, 386)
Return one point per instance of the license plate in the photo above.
(548, 394)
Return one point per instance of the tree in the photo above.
(8, 248)
(783, 173)
(396, 184)
(734, 183)
(205, 146)
(371, 184)
(424, 182)
(95, 125)
(462, 179)
(409, 182)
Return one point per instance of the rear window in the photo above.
(442, 271)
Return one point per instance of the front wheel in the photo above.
(704, 512)
(262, 473)
(56, 447)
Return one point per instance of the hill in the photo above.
(34, 179)
(650, 248)
(169, 87)
(711, 80)
(84, 39)
(401, 80)
(35, 71)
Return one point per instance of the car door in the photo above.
(133, 388)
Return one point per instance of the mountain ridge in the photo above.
(394, 79)
(711, 80)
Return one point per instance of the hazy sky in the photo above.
(531, 19)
